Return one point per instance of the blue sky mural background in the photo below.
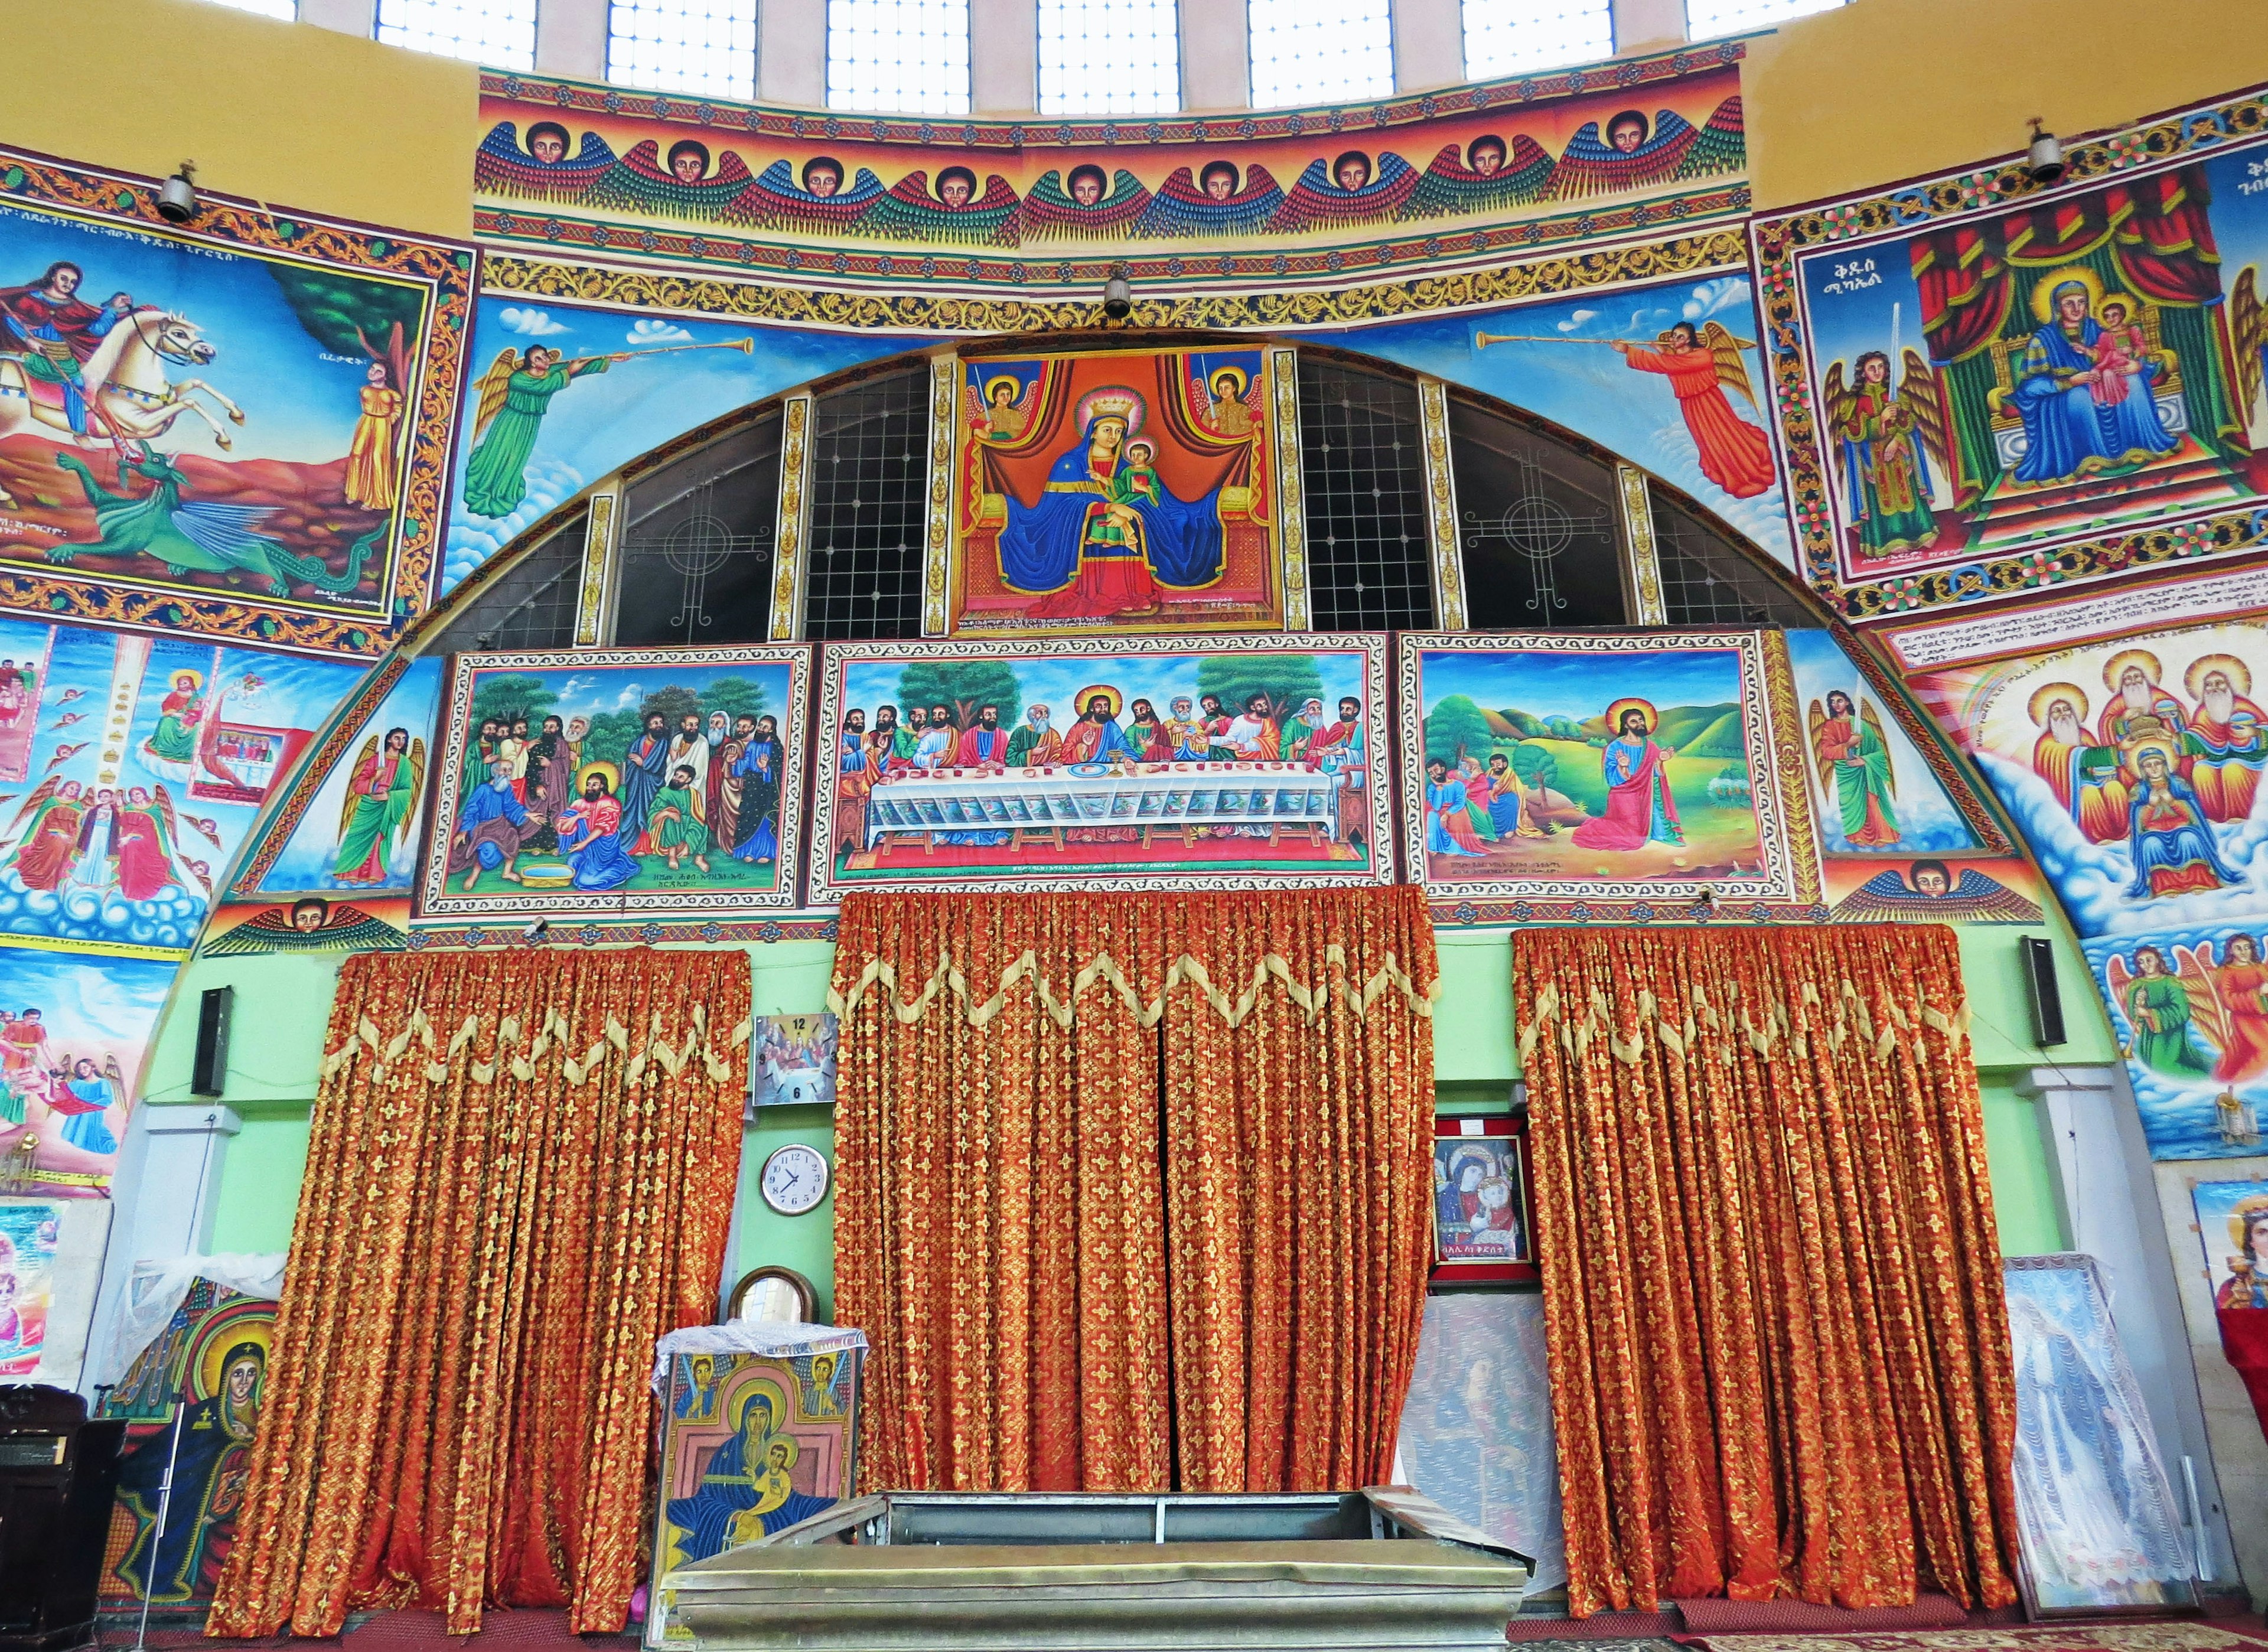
(307, 860)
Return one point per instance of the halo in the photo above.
(747, 1397)
(2240, 674)
(2037, 707)
(196, 678)
(2240, 1214)
(2116, 666)
(1615, 716)
(774, 1442)
(2044, 289)
(1475, 1154)
(1079, 705)
(2134, 751)
(995, 382)
(1113, 400)
(1230, 369)
(226, 1333)
(582, 776)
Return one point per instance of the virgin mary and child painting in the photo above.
(1087, 499)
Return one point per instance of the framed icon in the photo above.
(1483, 1201)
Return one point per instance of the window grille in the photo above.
(1535, 521)
(1705, 19)
(282, 10)
(1362, 459)
(696, 550)
(1706, 580)
(898, 56)
(500, 34)
(1518, 37)
(1109, 56)
(704, 47)
(869, 483)
(532, 605)
(1305, 53)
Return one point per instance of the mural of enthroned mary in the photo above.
(2086, 392)
(1107, 531)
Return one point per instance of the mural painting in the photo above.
(557, 395)
(1932, 890)
(28, 1232)
(1873, 790)
(73, 1032)
(1161, 763)
(619, 780)
(2189, 1006)
(2002, 392)
(1668, 375)
(239, 430)
(1513, 164)
(1531, 768)
(147, 762)
(2232, 1223)
(1135, 490)
(794, 1064)
(308, 923)
(203, 1376)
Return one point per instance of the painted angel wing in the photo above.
(1815, 719)
(2119, 978)
(1449, 186)
(494, 383)
(774, 200)
(40, 794)
(1181, 207)
(347, 808)
(501, 166)
(1593, 166)
(1721, 145)
(1725, 350)
(1918, 394)
(1871, 718)
(1841, 403)
(1050, 211)
(2248, 325)
(2193, 968)
(1317, 202)
(416, 790)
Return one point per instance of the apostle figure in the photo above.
(939, 743)
(512, 751)
(1144, 731)
(1255, 736)
(2085, 776)
(492, 824)
(2224, 742)
(853, 781)
(1096, 737)
(2172, 843)
(590, 831)
(2158, 1006)
(1299, 728)
(758, 771)
(645, 769)
(688, 749)
(674, 826)
(725, 781)
(1448, 823)
(1507, 795)
(984, 746)
(1035, 745)
(1854, 767)
(1181, 734)
(380, 794)
(1640, 806)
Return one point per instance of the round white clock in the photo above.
(795, 1179)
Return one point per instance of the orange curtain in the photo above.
(1778, 1346)
(1133, 1190)
(520, 1175)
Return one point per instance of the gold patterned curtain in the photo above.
(1778, 1346)
(1133, 1190)
(520, 1175)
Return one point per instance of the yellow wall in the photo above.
(1885, 90)
(284, 113)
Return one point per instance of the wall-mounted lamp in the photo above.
(2044, 162)
(177, 197)
(1117, 298)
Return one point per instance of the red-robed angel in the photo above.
(1701, 364)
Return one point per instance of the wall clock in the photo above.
(795, 1179)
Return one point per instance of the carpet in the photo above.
(1606, 1625)
(2162, 1635)
(1718, 1616)
(502, 1630)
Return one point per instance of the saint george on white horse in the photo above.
(127, 396)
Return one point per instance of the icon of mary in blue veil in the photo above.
(1106, 531)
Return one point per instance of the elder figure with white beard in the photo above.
(2225, 743)
(2138, 709)
(2085, 774)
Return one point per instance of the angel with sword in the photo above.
(1701, 364)
(1889, 435)
(381, 805)
(1854, 769)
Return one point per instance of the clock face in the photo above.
(795, 1179)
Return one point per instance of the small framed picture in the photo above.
(1482, 1201)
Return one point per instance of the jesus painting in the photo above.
(1640, 807)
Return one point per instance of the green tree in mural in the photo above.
(674, 702)
(512, 694)
(965, 685)
(1456, 728)
(354, 315)
(1289, 681)
(610, 736)
(735, 696)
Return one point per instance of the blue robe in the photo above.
(758, 802)
(645, 771)
(490, 802)
(2063, 425)
(599, 859)
(1040, 545)
(90, 1130)
(1446, 797)
(2187, 844)
(706, 1518)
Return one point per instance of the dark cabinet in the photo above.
(58, 1474)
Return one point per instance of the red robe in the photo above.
(1735, 454)
(45, 859)
(981, 746)
(142, 867)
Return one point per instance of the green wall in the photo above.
(284, 1003)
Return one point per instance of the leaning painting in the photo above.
(619, 780)
(1165, 763)
(1636, 768)
(237, 429)
(2095, 1516)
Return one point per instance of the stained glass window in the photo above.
(498, 32)
(1109, 56)
(1305, 53)
(898, 56)
(1706, 19)
(707, 46)
(282, 10)
(1508, 39)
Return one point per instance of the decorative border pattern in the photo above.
(443, 268)
(433, 899)
(1441, 505)
(2199, 596)
(835, 657)
(1785, 838)
(1641, 555)
(1291, 489)
(264, 849)
(635, 932)
(937, 550)
(598, 557)
(1780, 239)
(1270, 306)
(794, 516)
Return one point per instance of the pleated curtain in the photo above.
(1133, 1190)
(520, 1175)
(1779, 1344)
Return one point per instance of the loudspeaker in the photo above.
(209, 1074)
(2040, 978)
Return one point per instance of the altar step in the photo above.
(2189, 481)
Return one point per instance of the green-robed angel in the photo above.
(516, 392)
(381, 798)
(1854, 767)
(2158, 1005)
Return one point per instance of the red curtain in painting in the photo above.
(1778, 1346)
(1133, 1189)
(519, 1176)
